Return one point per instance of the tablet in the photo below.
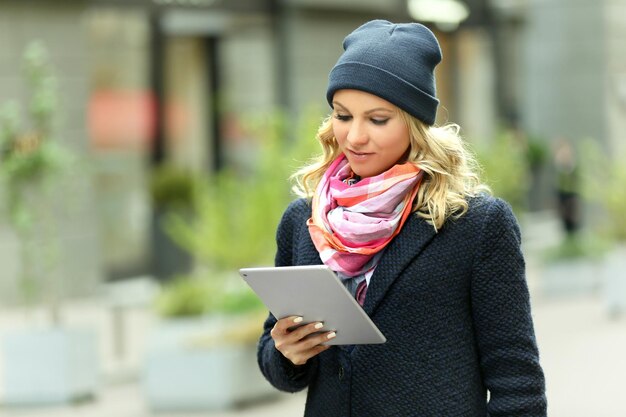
(317, 294)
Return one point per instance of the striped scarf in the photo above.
(351, 224)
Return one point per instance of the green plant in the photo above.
(504, 162)
(184, 297)
(29, 156)
(236, 213)
(537, 153)
(172, 187)
(604, 183)
(205, 294)
(31, 166)
(576, 247)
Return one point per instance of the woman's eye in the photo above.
(379, 122)
(342, 117)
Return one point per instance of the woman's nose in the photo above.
(357, 135)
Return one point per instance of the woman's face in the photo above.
(369, 131)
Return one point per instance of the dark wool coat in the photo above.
(454, 306)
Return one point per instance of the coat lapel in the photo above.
(415, 235)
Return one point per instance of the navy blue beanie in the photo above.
(393, 61)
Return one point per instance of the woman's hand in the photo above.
(301, 343)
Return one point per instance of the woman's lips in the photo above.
(359, 155)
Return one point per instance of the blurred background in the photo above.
(145, 149)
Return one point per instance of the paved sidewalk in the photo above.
(582, 351)
(583, 354)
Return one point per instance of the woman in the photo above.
(394, 207)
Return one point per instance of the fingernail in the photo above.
(331, 335)
(319, 325)
(297, 320)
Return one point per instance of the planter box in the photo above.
(187, 371)
(49, 366)
(615, 281)
(571, 277)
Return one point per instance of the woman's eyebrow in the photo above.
(336, 103)
(379, 109)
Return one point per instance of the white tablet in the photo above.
(316, 294)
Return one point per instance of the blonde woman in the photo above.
(394, 206)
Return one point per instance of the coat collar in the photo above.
(407, 245)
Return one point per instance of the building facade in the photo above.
(147, 82)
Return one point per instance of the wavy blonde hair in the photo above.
(450, 169)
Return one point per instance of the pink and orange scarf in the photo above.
(351, 224)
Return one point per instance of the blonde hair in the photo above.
(450, 169)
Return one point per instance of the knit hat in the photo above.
(393, 61)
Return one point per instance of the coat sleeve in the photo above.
(502, 318)
(277, 369)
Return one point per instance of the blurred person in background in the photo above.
(394, 206)
(567, 186)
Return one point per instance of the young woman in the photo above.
(395, 208)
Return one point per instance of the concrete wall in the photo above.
(475, 68)
(59, 27)
(313, 47)
(248, 59)
(564, 60)
(117, 60)
(315, 43)
(615, 77)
